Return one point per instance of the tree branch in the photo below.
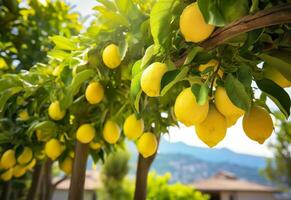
(264, 18)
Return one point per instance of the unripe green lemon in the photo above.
(258, 124)
(66, 165)
(55, 111)
(187, 110)
(213, 129)
(7, 175)
(133, 127)
(193, 25)
(85, 133)
(147, 144)
(23, 115)
(111, 56)
(224, 105)
(111, 132)
(94, 93)
(19, 171)
(8, 159)
(53, 149)
(151, 79)
(25, 156)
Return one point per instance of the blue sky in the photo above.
(235, 139)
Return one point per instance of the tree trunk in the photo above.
(36, 182)
(47, 181)
(143, 167)
(6, 191)
(76, 191)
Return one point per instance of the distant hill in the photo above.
(189, 163)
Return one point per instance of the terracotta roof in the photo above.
(92, 181)
(225, 181)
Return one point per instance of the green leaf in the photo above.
(58, 54)
(5, 95)
(63, 43)
(123, 47)
(200, 92)
(252, 37)
(108, 4)
(160, 20)
(147, 56)
(237, 93)
(47, 127)
(191, 55)
(277, 94)
(136, 68)
(170, 78)
(135, 90)
(282, 66)
(112, 16)
(244, 74)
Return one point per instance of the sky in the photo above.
(235, 139)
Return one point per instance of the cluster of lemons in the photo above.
(10, 166)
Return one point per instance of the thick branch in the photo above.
(264, 18)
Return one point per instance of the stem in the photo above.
(143, 167)
(36, 182)
(76, 191)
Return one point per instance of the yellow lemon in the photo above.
(193, 25)
(85, 133)
(111, 56)
(53, 149)
(31, 164)
(111, 132)
(273, 74)
(231, 120)
(55, 111)
(19, 171)
(7, 175)
(258, 124)
(151, 79)
(213, 129)
(23, 115)
(187, 110)
(66, 165)
(94, 93)
(147, 144)
(8, 159)
(224, 105)
(41, 136)
(95, 145)
(212, 63)
(133, 127)
(25, 156)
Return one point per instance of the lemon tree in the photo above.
(140, 68)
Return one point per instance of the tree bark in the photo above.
(6, 191)
(143, 167)
(48, 180)
(36, 182)
(76, 191)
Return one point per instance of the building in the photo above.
(226, 186)
(92, 183)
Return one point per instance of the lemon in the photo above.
(111, 56)
(187, 110)
(31, 164)
(25, 156)
(8, 159)
(85, 133)
(147, 144)
(151, 79)
(111, 132)
(258, 124)
(53, 149)
(66, 165)
(231, 120)
(133, 127)
(95, 145)
(224, 105)
(7, 175)
(41, 136)
(213, 129)
(55, 111)
(273, 74)
(212, 63)
(193, 25)
(19, 171)
(23, 115)
(94, 93)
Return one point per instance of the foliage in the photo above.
(278, 168)
(160, 189)
(26, 27)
